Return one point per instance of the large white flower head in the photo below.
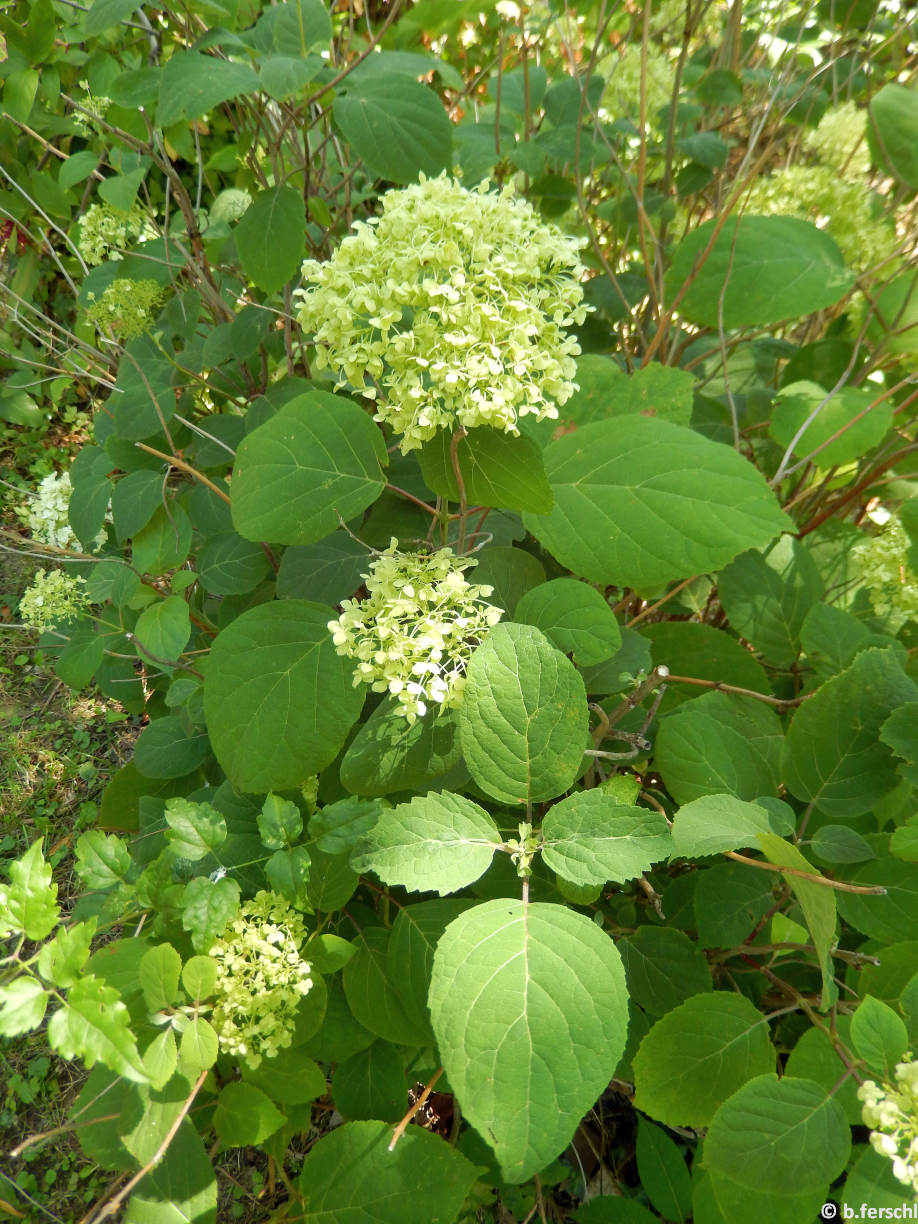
(450, 309)
(47, 513)
(53, 599)
(891, 1112)
(261, 978)
(883, 563)
(415, 632)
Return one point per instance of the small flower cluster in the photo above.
(127, 307)
(53, 599)
(95, 105)
(47, 514)
(415, 632)
(883, 564)
(261, 978)
(454, 303)
(891, 1112)
(105, 230)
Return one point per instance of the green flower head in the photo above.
(450, 310)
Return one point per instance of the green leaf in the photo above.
(412, 943)
(80, 659)
(663, 968)
(397, 127)
(574, 617)
(269, 675)
(350, 1175)
(332, 883)
(105, 13)
(372, 996)
(121, 190)
(699, 1054)
(511, 572)
(555, 981)
(782, 1137)
(315, 462)
(182, 1188)
(814, 1057)
(608, 391)
(839, 844)
(327, 571)
(164, 628)
(497, 470)
(193, 83)
(207, 906)
(92, 491)
(885, 917)
(663, 1172)
(900, 732)
(832, 754)
(195, 829)
(229, 565)
(283, 75)
(160, 1059)
(23, 1003)
(271, 237)
(435, 843)
(164, 543)
(893, 132)
(338, 827)
(135, 497)
(796, 403)
(371, 1084)
(639, 502)
(198, 1048)
(199, 977)
(287, 872)
(29, 903)
(159, 977)
(879, 1037)
(524, 718)
(767, 595)
(589, 838)
(388, 754)
(329, 953)
(102, 860)
(290, 1078)
(279, 822)
(719, 742)
(95, 1026)
(166, 750)
(714, 824)
(729, 902)
(760, 270)
(706, 653)
(61, 960)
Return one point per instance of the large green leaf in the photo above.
(279, 699)
(328, 571)
(372, 1084)
(434, 843)
(193, 83)
(605, 390)
(390, 754)
(833, 756)
(397, 127)
(94, 1025)
(351, 1177)
(244, 1115)
(182, 1188)
(315, 462)
(767, 594)
(795, 404)
(524, 717)
(663, 968)
(415, 934)
(782, 1137)
(760, 270)
(639, 502)
(716, 823)
(699, 1054)
(497, 470)
(589, 838)
(574, 617)
(271, 237)
(719, 743)
(529, 1007)
(106, 13)
(893, 131)
(372, 996)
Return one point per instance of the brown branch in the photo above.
(185, 467)
(403, 1125)
(869, 890)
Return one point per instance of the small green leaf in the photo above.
(160, 1059)
(663, 1172)
(574, 617)
(271, 237)
(207, 906)
(290, 1078)
(244, 1115)
(714, 824)
(279, 822)
(554, 980)
(22, 1006)
(434, 843)
(390, 754)
(338, 827)
(879, 1037)
(663, 968)
(699, 1054)
(166, 749)
(195, 829)
(397, 127)
(852, 412)
(523, 720)
(193, 83)
(102, 860)
(316, 462)
(372, 996)
(199, 977)
(95, 1026)
(497, 470)
(893, 131)
(781, 1137)
(164, 628)
(159, 976)
(372, 1084)
(839, 844)
(105, 13)
(816, 901)
(589, 838)
(29, 903)
(412, 943)
(288, 874)
(198, 1048)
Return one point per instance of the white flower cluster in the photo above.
(415, 632)
(127, 307)
(47, 514)
(104, 231)
(891, 1112)
(261, 978)
(454, 303)
(883, 564)
(53, 599)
